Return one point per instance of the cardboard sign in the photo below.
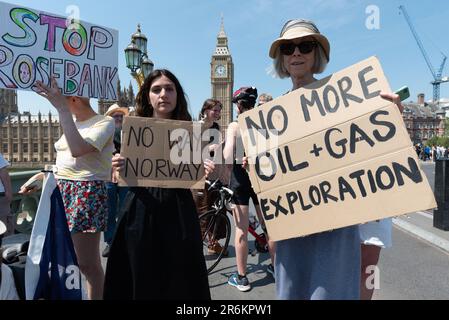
(35, 45)
(333, 154)
(162, 153)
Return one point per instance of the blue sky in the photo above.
(182, 37)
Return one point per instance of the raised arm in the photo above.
(77, 145)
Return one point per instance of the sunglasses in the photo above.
(304, 47)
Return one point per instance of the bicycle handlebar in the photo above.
(219, 186)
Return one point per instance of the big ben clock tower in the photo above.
(222, 77)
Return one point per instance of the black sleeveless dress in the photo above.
(239, 182)
(156, 253)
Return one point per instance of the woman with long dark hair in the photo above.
(157, 252)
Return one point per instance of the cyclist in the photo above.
(245, 99)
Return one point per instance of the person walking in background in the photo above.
(324, 265)
(83, 165)
(116, 194)
(6, 197)
(427, 153)
(157, 251)
(264, 98)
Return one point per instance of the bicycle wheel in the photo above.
(215, 233)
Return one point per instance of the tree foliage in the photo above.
(438, 141)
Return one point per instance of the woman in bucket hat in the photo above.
(324, 265)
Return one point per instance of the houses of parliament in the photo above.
(26, 140)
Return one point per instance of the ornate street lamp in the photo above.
(137, 57)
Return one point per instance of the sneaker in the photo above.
(270, 269)
(216, 248)
(242, 284)
(105, 253)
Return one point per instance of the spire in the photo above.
(222, 33)
(222, 41)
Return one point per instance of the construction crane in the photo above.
(437, 79)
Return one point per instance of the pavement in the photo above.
(420, 224)
(410, 270)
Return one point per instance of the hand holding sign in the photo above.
(118, 163)
(209, 167)
(53, 95)
(393, 97)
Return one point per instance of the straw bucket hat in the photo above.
(116, 108)
(295, 29)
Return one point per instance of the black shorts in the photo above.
(241, 197)
(241, 186)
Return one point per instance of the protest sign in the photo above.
(36, 45)
(162, 153)
(342, 155)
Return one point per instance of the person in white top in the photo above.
(8, 289)
(5, 196)
(83, 166)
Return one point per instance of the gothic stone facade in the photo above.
(28, 141)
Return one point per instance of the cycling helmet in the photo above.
(245, 93)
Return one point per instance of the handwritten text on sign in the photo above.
(36, 45)
(343, 156)
(162, 153)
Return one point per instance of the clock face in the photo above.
(220, 71)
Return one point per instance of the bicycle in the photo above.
(216, 226)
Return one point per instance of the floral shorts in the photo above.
(86, 205)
